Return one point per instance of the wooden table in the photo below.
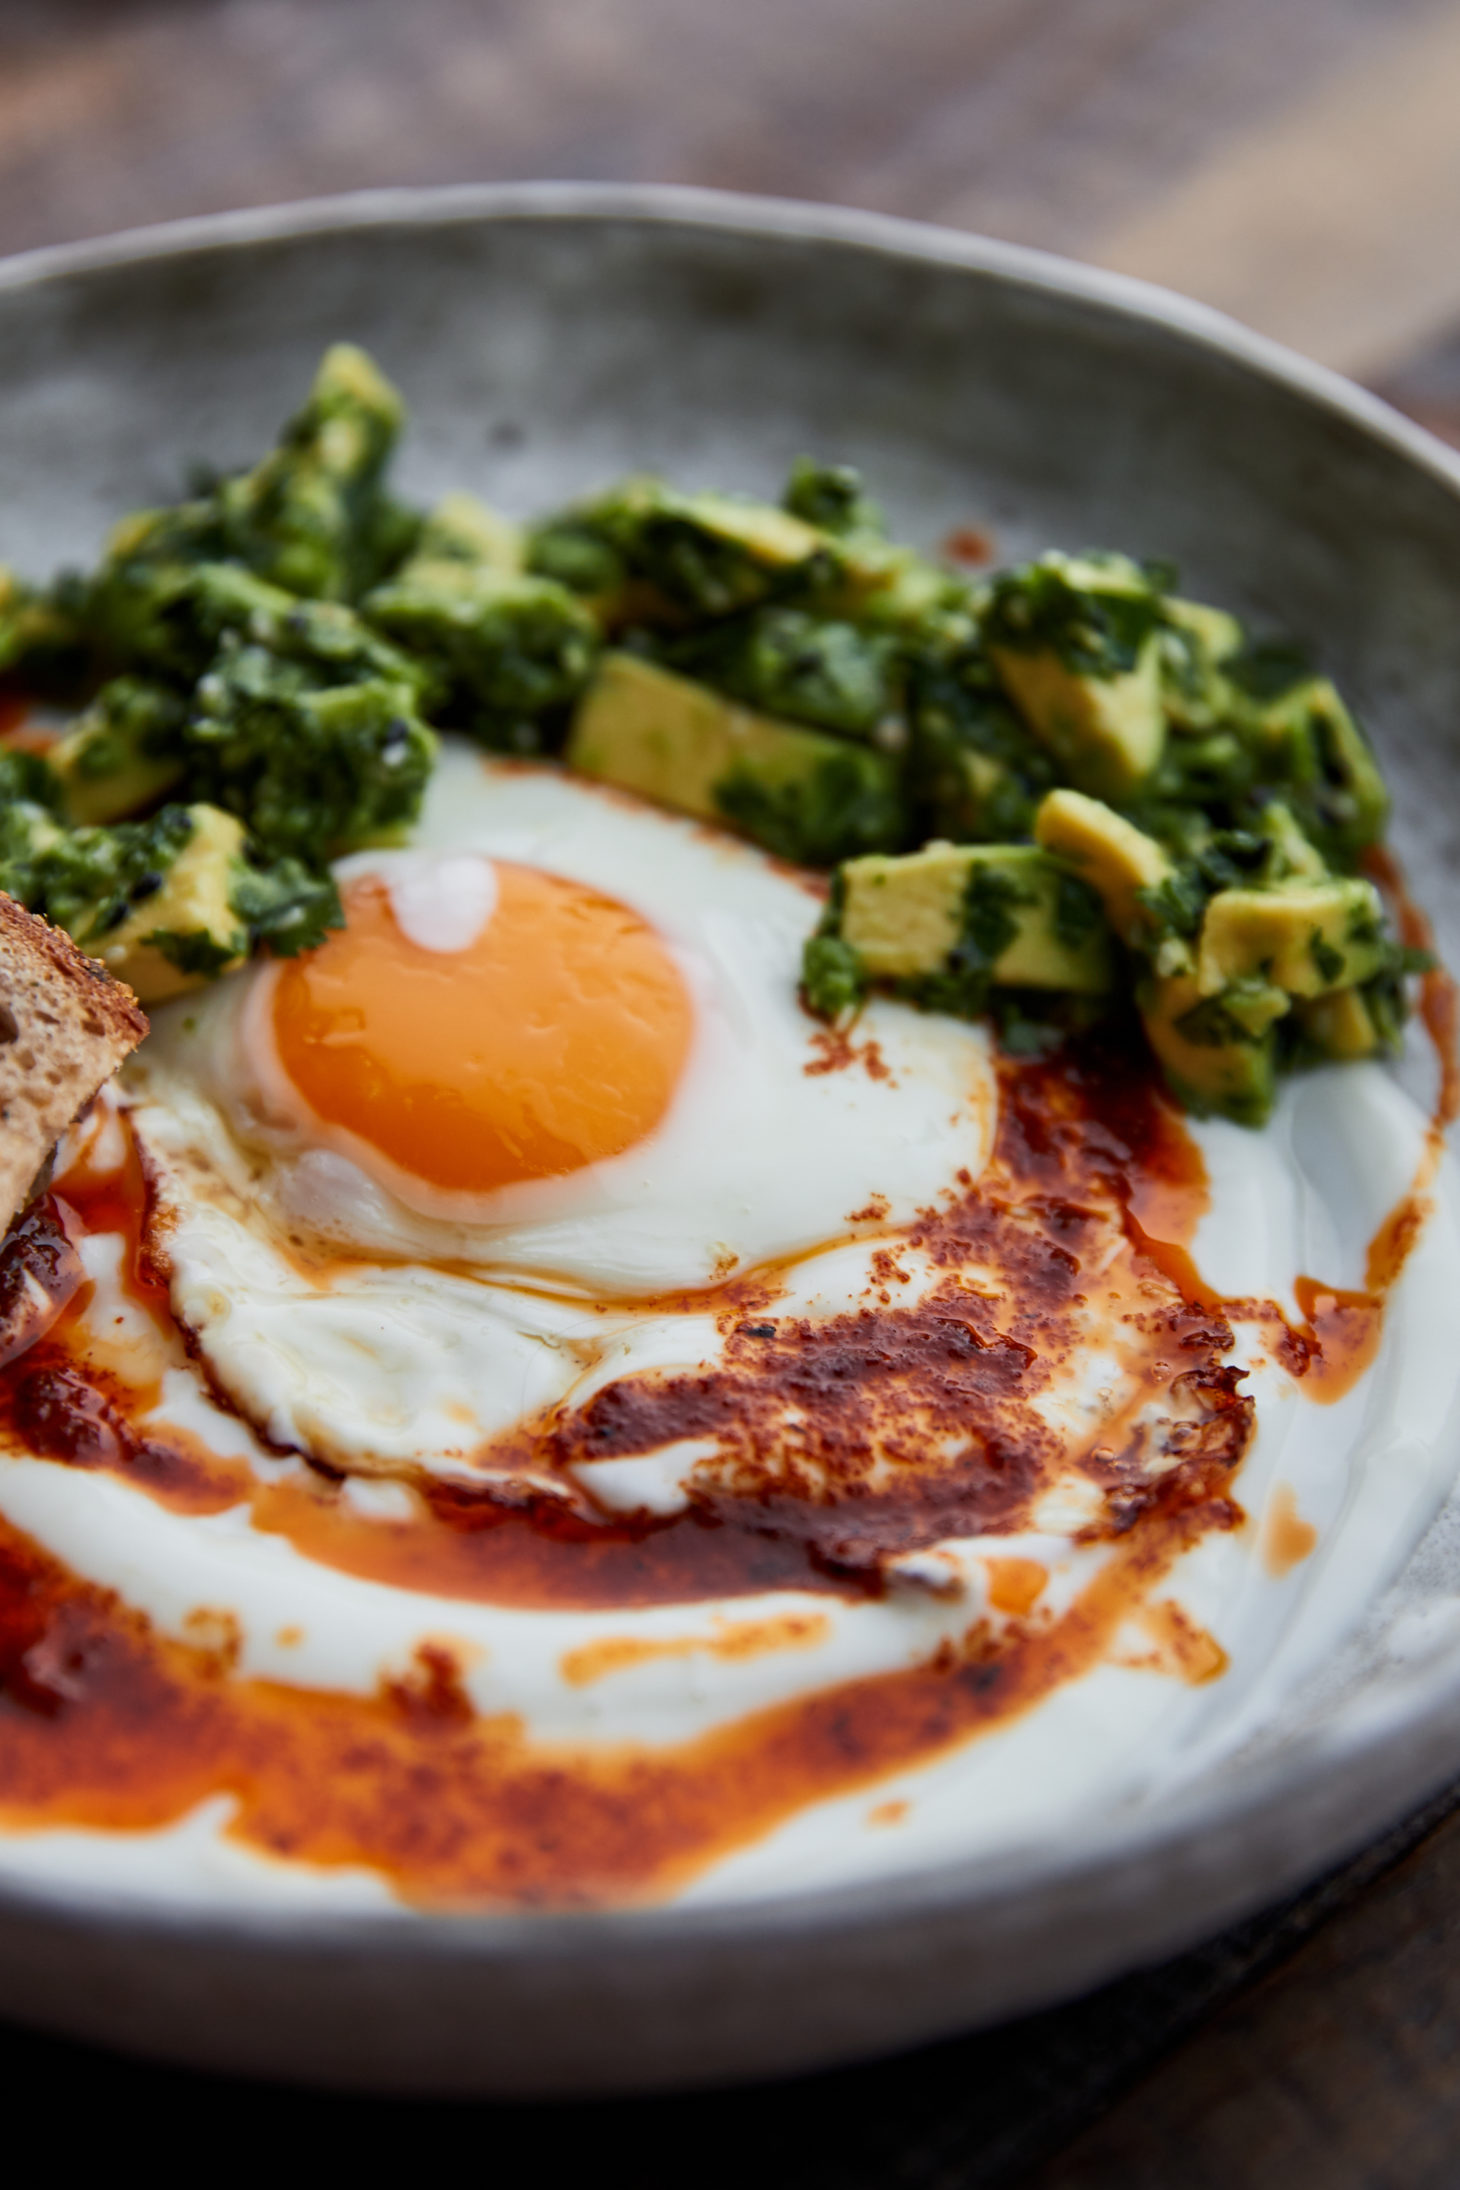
(1298, 163)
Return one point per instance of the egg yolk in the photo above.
(556, 1039)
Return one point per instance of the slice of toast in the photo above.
(65, 1026)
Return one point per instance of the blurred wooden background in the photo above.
(1296, 162)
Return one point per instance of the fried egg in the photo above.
(550, 1082)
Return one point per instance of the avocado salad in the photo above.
(1046, 796)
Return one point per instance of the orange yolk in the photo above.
(555, 1040)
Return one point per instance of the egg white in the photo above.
(367, 1320)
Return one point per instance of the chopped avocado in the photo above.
(1304, 937)
(803, 668)
(217, 606)
(1293, 856)
(831, 497)
(28, 831)
(1117, 859)
(312, 516)
(504, 650)
(976, 773)
(460, 529)
(285, 904)
(697, 554)
(124, 753)
(1311, 744)
(1340, 1026)
(1196, 641)
(833, 978)
(180, 928)
(1027, 920)
(1076, 644)
(173, 901)
(311, 773)
(270, 650)
(1213, 1062)
(43, 648)
(800, 793)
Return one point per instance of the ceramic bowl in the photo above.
(559, 335)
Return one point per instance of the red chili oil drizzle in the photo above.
(104, 1722)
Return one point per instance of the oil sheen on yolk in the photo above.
(554, 1040)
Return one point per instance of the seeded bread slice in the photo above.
(65, 1026)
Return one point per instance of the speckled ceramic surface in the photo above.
(550, 337)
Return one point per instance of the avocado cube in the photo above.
(1076, 643)
(1294, 856)
(311, 516)
(976, 772)
(43, 648)
(184, 930)
(1106, 733)
(806, 795)
(972, 797)
(1305, 937)
(907, 918)
(502, 648)
(28, 831)
(644, 547)
(1214, 1065)
(460, 529)
(1195, 641)
(1115, 857)
(1310, 741)
(799, 668)
(1340, 1025)
(123, 754)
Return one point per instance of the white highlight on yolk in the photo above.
(440, 905)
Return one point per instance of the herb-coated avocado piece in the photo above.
(833, 978)
(1213, 1062)
(883, 584)
(1304, 937)
(976, 773)
(1340, 1027)
(1118, 860)
(217, 606)
(124, 753)
(28, 830)
(1076, 643)
(1292, 856)
(693, 554)
(461, 529)
(803, 794)
(139, 604)
(175, 900)
(1006, 911)
(504, 650)
(285, 905)
(43, 648)
(1310, 743)
(812, 669)
(178, 927)
(312, 516)
(1196, 643)
(311, 772)
(832, 498)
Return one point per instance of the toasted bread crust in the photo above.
(65, 1026)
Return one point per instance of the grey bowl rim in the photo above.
(901, 1900)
